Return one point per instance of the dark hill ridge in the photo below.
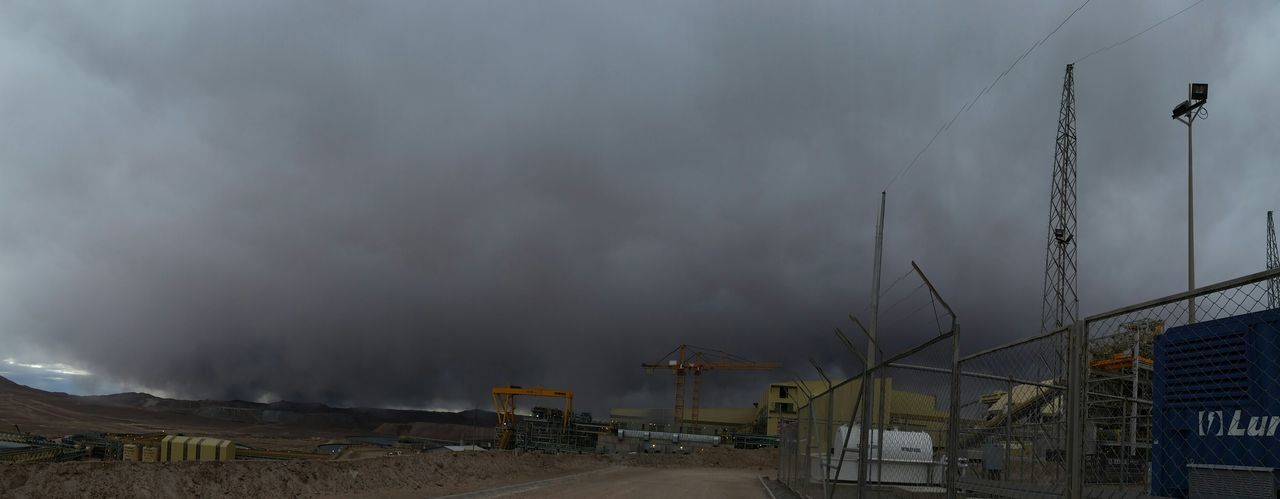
(312, 414)
(137, 411)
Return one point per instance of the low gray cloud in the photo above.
(406, 203)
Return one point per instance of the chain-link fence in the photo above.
(908, 431)
(1012, 422)
(1186, 405)
(1143, 401)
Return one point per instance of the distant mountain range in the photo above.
(54, 412)
(304, 414)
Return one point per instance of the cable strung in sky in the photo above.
(1024, 55)
(980, 94)
(1140, 33)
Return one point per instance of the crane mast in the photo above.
(686, 361)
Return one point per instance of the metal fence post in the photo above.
(1006, 466)
(813, 437)
(1077, 341)
(953, 421)
(884, 420)
(794, 462)
(827, 446)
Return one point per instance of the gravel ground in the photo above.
(417, 475)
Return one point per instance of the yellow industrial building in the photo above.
(781, 402)
(710, 419)
(906, 410)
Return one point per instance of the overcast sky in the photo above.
(406, 203)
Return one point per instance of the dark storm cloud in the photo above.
(408, 203)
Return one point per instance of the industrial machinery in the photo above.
(25, 448)
(1216, 407)
(504, 403)
(683, 362)
(660, 442)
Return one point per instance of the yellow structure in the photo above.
(781, 400)
(694, 363)
(999, 402)
(504, 403)
(175, 448)
(132, 452)
(909, 411)
(711, 419)
(150, 454)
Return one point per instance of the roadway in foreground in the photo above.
(640, 482)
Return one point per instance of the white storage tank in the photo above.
(669, 437)
(907, 457)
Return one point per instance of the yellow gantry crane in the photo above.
(504, 403)
(686, 360)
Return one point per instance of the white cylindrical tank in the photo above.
(907, 457)
(670, 437)
(902, 446)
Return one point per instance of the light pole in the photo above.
(1187, 112)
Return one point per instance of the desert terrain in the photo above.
(358, 471)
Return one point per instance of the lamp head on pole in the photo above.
(1197, 95)
(1198, 91)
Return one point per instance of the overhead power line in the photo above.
(1140, 33)
(979, 95)
(886, 291)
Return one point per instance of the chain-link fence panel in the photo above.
(809, 485)
(1183, 404)
(912, 422)
(787, 450)
(907, 433)
(1013, 435)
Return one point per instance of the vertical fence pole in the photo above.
(953, 421)
(1133, 405)
(826, 441)
(827, 447)
(1077, 340)
(884, 373)
(813, 437)
(795, 461)
(1007, 465)
(864, 447)
(782, 455)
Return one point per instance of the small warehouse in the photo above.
(179, 448)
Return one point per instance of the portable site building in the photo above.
(179, 448)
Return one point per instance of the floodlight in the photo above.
(1198, 91)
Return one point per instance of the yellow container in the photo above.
(176, 448)
(132, 452)
(150, 454)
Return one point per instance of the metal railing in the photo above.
(1134, 402)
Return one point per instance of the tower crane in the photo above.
(688, 360)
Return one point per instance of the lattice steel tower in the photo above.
(1273, 262)
(1061, 306)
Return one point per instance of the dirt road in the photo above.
(636, 482)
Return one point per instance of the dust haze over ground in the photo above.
(404, 204)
